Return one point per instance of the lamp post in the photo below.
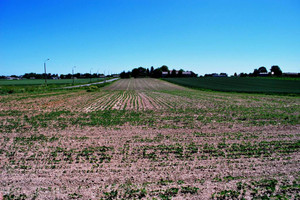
(104, 77)
(91, 75)
(73, 74)
(45, 70)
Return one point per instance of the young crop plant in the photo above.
(189, 190)
(261, 189)
(169, 193)
(149, 139)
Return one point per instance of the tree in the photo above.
(125, 75)
(180, 73)
(77, 75)
(164, 68)
(36, 76)
(122, 74)
(275, 69)
(255, 72)
(68, 76)
(235, 74)
(243, 74)
(142, 72)
(173, 74)
(139, 72)
(87, 75)
(262, 70)
(157, 73)
(135, 72)
(151, 70)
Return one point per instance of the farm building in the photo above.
(216, 75)
(12, 78)
(184, 74)
(263, 74)
(291, 74)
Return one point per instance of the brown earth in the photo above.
(180, 156)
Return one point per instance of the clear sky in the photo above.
(205, 36)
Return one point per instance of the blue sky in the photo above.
(205, 36)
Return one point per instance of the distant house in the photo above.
(176, 72)
(188, 73)
(223, 75)
(184, 73)
(12, 78)
(291, 74)
(164, 74)
(216, 75)
(263, 74)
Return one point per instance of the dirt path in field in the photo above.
(89, 84)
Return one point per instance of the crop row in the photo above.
(159, 152)
(129, 100)
(146, 84)
(136, 192)
(15, 120)
(262, 189)
(208, 151)
(236, 84)
(18, 154)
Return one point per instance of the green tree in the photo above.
(164, 68)
(180, 73)
(262, 69)
(255, 72)
(157, 73)
(173, 74)
(151, 70)
(135, 72)
(275, 69)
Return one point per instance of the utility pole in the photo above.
(104, 77)
(45, 70)
(91, 75)
(73, 74)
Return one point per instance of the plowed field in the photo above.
(149, 139)
(145, 84)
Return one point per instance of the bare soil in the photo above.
(199, 145)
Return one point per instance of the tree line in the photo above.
(159, 72)
(55, 76)
(262, 71)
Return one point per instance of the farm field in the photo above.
(149, 139)
(38, 85)
(237, 84)
(24, 82)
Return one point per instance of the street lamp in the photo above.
(73, 73)
(91, 75)
(45, 70)
(104, 77)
